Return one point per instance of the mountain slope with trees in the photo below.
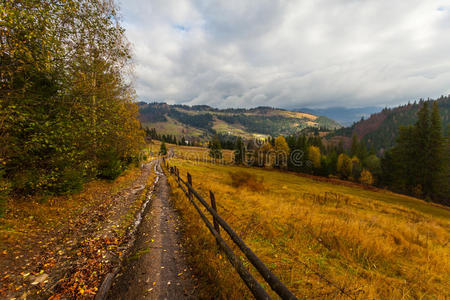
(204, 121)
(380, 130)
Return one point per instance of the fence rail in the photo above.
(253, 285)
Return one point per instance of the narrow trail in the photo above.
(156, 267)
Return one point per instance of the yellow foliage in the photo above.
(314, 156)
(366, 177)
(281, 151)
(344, 165)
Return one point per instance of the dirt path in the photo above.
(156, 267)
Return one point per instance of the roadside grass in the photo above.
(372, 244)
(26, 217)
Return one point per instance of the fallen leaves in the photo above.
(90, 268)
(51, 249)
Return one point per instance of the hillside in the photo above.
(317, 235)
(203, 120)
(380, 130)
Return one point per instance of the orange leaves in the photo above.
(92, 264)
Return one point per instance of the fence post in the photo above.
(213, 205)
(189, 178)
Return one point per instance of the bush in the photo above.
(69, 181)
(247, 180)
(366, 177)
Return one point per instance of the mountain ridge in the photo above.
(202, 120)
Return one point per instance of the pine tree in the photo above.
(403, 167)
(239, 151)
(215, 150)
(421, 156)
(436, 160)
(354, 148)
(163, 149)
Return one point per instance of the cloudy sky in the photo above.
(310, 53)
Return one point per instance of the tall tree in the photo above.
(239, 151)
(354, 148)
(163, 148)
(436, 163)
(215, 148)
(281, 152)
(417, 158)
(422, 154)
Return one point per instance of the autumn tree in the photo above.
(266, 155)
(282, 151)
(314, 156)
(66, 109)
(344, 165)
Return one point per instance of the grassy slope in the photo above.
(174, 127)
(376, 245)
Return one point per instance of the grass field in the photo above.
(372, 244)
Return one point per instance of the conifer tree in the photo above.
(354, 148)
(436, 160)
(215, 150)
(239, 151)
(163, 148)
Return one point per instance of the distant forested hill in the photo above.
(380, 130)
(203, 120)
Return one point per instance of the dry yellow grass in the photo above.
(375, 245)
(200, 154)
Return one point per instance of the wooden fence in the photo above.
(253, 285)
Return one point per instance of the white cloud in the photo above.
(289, 53)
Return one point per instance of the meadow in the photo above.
(320, 238)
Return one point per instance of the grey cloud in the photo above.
(289, 53)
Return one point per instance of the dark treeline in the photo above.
(225, 141)
(419, 162)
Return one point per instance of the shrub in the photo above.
(69, 181)
(366, 177)
(110, 166)
(247, 180)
